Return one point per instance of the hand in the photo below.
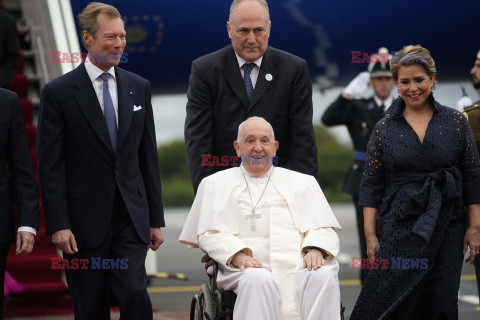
(472, 240)
(464, 103)
(65, 241)
(156, 238)
(25, 242)
(242, 261)
(372, 247)
(313, 259)
(357, 87)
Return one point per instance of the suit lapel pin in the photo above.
(131, 92)
(268, 77)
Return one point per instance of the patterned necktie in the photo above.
(247, 69)
(109, 113)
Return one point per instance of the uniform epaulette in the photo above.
(475, 107)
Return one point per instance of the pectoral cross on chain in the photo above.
(252, 216)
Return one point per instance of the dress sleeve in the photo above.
(469, 164)
(373, 178)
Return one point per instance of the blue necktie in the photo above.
(247, 69)
(109, 113)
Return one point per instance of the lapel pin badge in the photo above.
(131, 92)
(268, 77)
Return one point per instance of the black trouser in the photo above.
(4, 248)
(89, 287)
(361, 236)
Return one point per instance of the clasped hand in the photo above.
(242, 261)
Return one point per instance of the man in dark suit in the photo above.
(9, 49)
(17, 183)
(99, 172)
(360, 116)
(248, 78)
(472, 112)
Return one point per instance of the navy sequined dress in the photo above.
(420, 190)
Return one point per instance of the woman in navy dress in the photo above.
(422, 171)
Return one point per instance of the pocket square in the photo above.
(135, 108)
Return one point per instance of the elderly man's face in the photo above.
(105, 48)
(256, 147)
(249, 30)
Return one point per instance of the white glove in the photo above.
(357, 87)
(464, 103)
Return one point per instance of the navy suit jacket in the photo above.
(17, 177)
(78, 172)
(218, 103)
(9, 49)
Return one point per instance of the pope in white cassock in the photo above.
(272, 232)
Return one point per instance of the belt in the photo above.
(427, 194)
(360, 155)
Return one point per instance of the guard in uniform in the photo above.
(472, 112)
(360, 116)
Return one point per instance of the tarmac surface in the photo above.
(171, 296)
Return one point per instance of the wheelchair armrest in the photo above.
(207, 260)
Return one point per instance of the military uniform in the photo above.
(360, 117)
(473, 115)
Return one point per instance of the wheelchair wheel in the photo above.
(193, 308)
(202, 307)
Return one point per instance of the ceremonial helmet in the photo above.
(380, 64)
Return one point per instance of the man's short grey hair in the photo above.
(236, 2)
(87, 19)
(242, 126)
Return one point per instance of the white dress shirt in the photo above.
(28, 229)
(387, 103)
(94, 74)
(255, 70)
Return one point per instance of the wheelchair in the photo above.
(213, 303)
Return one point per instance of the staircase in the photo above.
(45, 292)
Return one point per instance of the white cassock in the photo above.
(292, 214)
